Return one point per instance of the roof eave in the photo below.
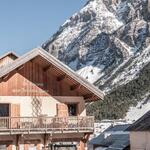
(41, 52)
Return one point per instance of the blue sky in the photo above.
(25, 24)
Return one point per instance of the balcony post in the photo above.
(26, 146)
(9, 147)
(81, 145)
(17, 142)
(45, 141)
(78, 123)
(38, 146)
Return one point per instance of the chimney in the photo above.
(7, 59)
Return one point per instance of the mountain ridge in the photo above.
(107, 43)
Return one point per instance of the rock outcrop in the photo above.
(107, 43)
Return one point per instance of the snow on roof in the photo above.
(8, 54)
(142, 124)
(114, 137)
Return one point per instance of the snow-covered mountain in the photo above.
(83, 41)
(108, 43)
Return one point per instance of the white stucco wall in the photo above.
(48, 104)
(140, 140)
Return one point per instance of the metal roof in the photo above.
(142, 124)
(113, 138)
(115, 128)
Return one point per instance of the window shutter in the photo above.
(62, 110)
(15, 112)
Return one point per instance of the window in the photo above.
(72, 109)
(4, 110)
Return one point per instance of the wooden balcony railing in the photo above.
(19, 125)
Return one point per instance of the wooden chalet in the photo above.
(42, 103)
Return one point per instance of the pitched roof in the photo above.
(142, 124)
(115, 139)
(97, 94)
(8, 54)
(119, 141)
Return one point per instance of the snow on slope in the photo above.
(107, 42)
(91, 73)
(81, 41)
(142, 107)
(137, 56)
(132, 71)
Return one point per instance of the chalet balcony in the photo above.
(42, 125)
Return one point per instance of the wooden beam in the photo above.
(45, 141)
(26, 146)
(62, 77)
(17, 142)
(8, 142)
(5, 77)
(38, 147)
(19, 68)
(32, 60)
(81, 146)
(9, 147)
(86, 138)
(47, 68)
(88, 96)
(32, 141)
(75, 86)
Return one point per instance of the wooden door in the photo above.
(15, 112)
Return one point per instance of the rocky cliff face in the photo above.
(107, 43)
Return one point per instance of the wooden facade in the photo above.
(32, 80)
(38, 74)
